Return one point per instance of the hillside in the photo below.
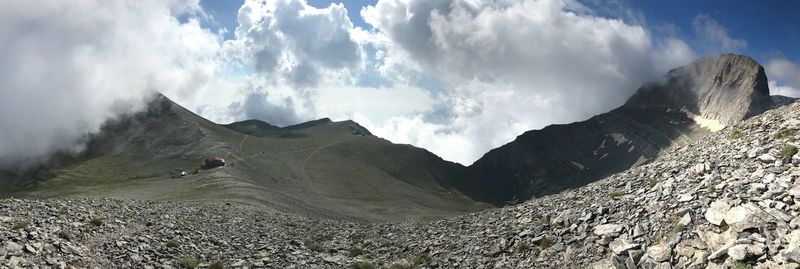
(688, 103)
(321, 168)
(728, 200)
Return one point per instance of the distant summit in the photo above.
(688, 103)
(726, 88)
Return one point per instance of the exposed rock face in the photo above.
(687, 104)
(726, 88)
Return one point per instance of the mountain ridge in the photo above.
(330, 168)
(659, 115)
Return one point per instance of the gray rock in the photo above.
(620, 246)
(685, 220)
(715, 213)
(607, 229)
(659, 253)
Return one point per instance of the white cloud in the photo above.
(784, 77)
(457, 77)
(715, 37)
(67, 66)
(499, 78)
(673, 52)
(290, 42)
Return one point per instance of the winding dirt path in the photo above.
(305, 162)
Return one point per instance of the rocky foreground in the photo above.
(730, 200)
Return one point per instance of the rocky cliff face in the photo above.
(726, 88)
(687, 103)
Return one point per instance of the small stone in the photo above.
(766, 158)
(16, 261)
(736, 214)
(738, 252)
(620, 246)
(721, 251)
(659, 253)
(715, 214)
(685, 220)
(607, 229)
(13, 248)
(31, 249)
(791, 254)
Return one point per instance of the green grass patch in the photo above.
(787, 151)
(355, 252)
(616, 194)
(736, 134)
(19, 225)
(97, 222)
(545, 242)
(678, 229)
(742, 265)
(188, 262)
(173, 244)
(362, 265)
(522, 247)
(216, 265)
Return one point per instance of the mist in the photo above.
(68, 66)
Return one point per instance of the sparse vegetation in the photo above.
(173, 244)
(422, 258)
(736, 134)
(313, 245)
(66, 235)
(678, 229)
(615, 194)
(742, 265)
(97, 222)
(362, 265)
(188, 262)
(522, 247)
(22, 224)
(785, 134)
(652, 183)
(401, 264)
(355, 252)
(545, 242)
(788, 151)
(216, 265)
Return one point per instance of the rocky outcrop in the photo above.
(728, 200)
(688, 103)
(726, 88)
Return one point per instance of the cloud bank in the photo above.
(68, 66)
(457, 77)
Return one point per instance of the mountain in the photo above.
(688, 103)
(340, 170)
(320, 168)
(728, 200)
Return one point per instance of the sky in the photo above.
(456, 77)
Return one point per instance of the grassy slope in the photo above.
(320, 169)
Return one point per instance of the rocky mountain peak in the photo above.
(726, 88)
